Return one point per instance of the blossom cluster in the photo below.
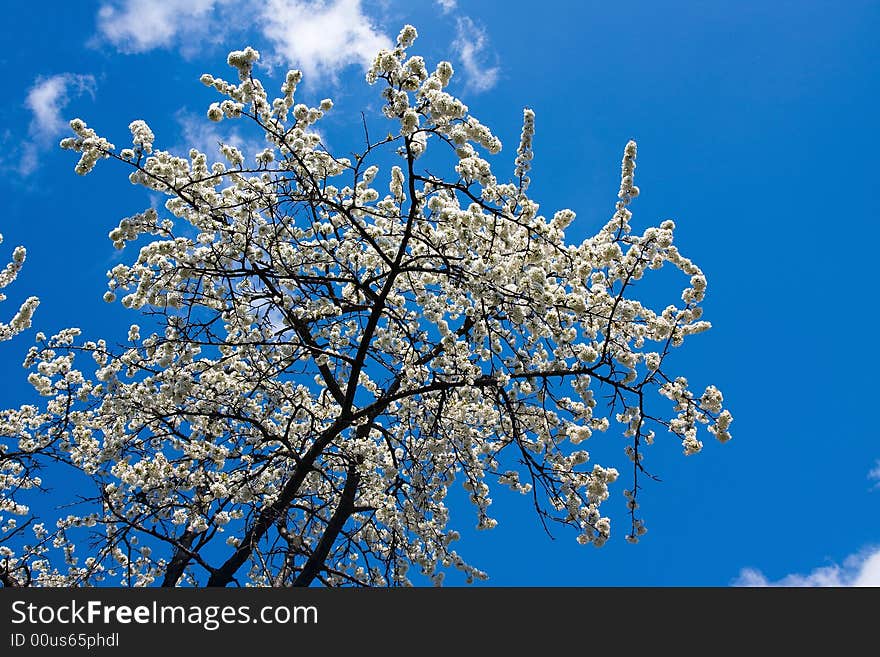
(22, 319)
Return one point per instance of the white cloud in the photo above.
(861, 569)
(49, 96)
(317, 36)
(141, 25)
(46, 99)
(874, 474)
(470, 44)
(322, 36)
(447, 5)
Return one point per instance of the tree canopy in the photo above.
(329, 343)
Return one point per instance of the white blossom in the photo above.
(22, 319)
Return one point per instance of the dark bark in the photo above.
(8, 580)
(343, 511)
(180, 560)
(225, 573)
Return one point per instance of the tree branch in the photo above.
(343, 511)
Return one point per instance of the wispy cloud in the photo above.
(321, 37)
(46, 100)
(447, 5)
(317, 36)
(134, 26)
(861, 569)
(196, 131)
(470, 45)
(874, 474)
(48, 96)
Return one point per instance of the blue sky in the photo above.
(756, 125)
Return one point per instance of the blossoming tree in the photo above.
(331, 343)
(16, 468)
